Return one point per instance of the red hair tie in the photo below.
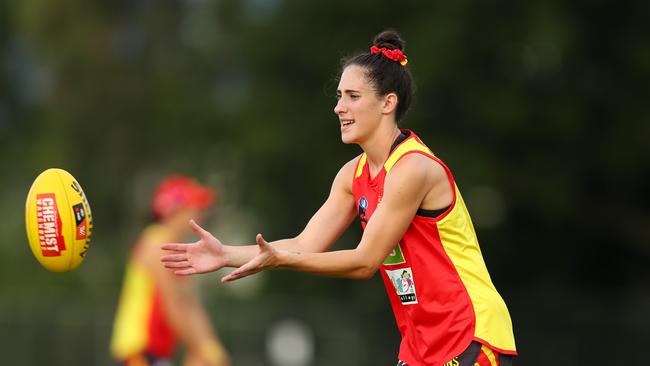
(395, 55)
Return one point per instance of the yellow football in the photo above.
(58, 221)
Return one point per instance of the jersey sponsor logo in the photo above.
(402, 280)
(395, 257)
(49, 225)
(363, 206)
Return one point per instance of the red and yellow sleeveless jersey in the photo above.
(140, 325)
(437, 282)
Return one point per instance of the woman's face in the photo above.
(359, 108)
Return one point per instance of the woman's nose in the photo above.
(338, 108)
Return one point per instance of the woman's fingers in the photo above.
(236, 273)
(243, 271)
(174, 247)
(173, 258)
(234, 276)
(180, 264)
(185, 272)
(260, 240)
(204, 234)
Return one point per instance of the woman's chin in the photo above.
(347, 139)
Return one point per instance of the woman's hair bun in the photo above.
(389, 39)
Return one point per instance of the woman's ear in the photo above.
(390, 103)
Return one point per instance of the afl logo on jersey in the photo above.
(363, 205)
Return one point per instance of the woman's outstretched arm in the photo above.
(323, 229)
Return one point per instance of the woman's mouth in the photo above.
(346, 123)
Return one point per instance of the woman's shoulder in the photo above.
(346, 173)
(420, 164)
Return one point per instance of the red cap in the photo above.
(180, 191)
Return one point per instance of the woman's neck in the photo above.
(377, 147)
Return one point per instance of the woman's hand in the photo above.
(268, 257)
(205, 255)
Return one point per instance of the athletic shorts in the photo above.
(146, 360)
(476, 354)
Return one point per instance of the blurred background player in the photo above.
(156, 309)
